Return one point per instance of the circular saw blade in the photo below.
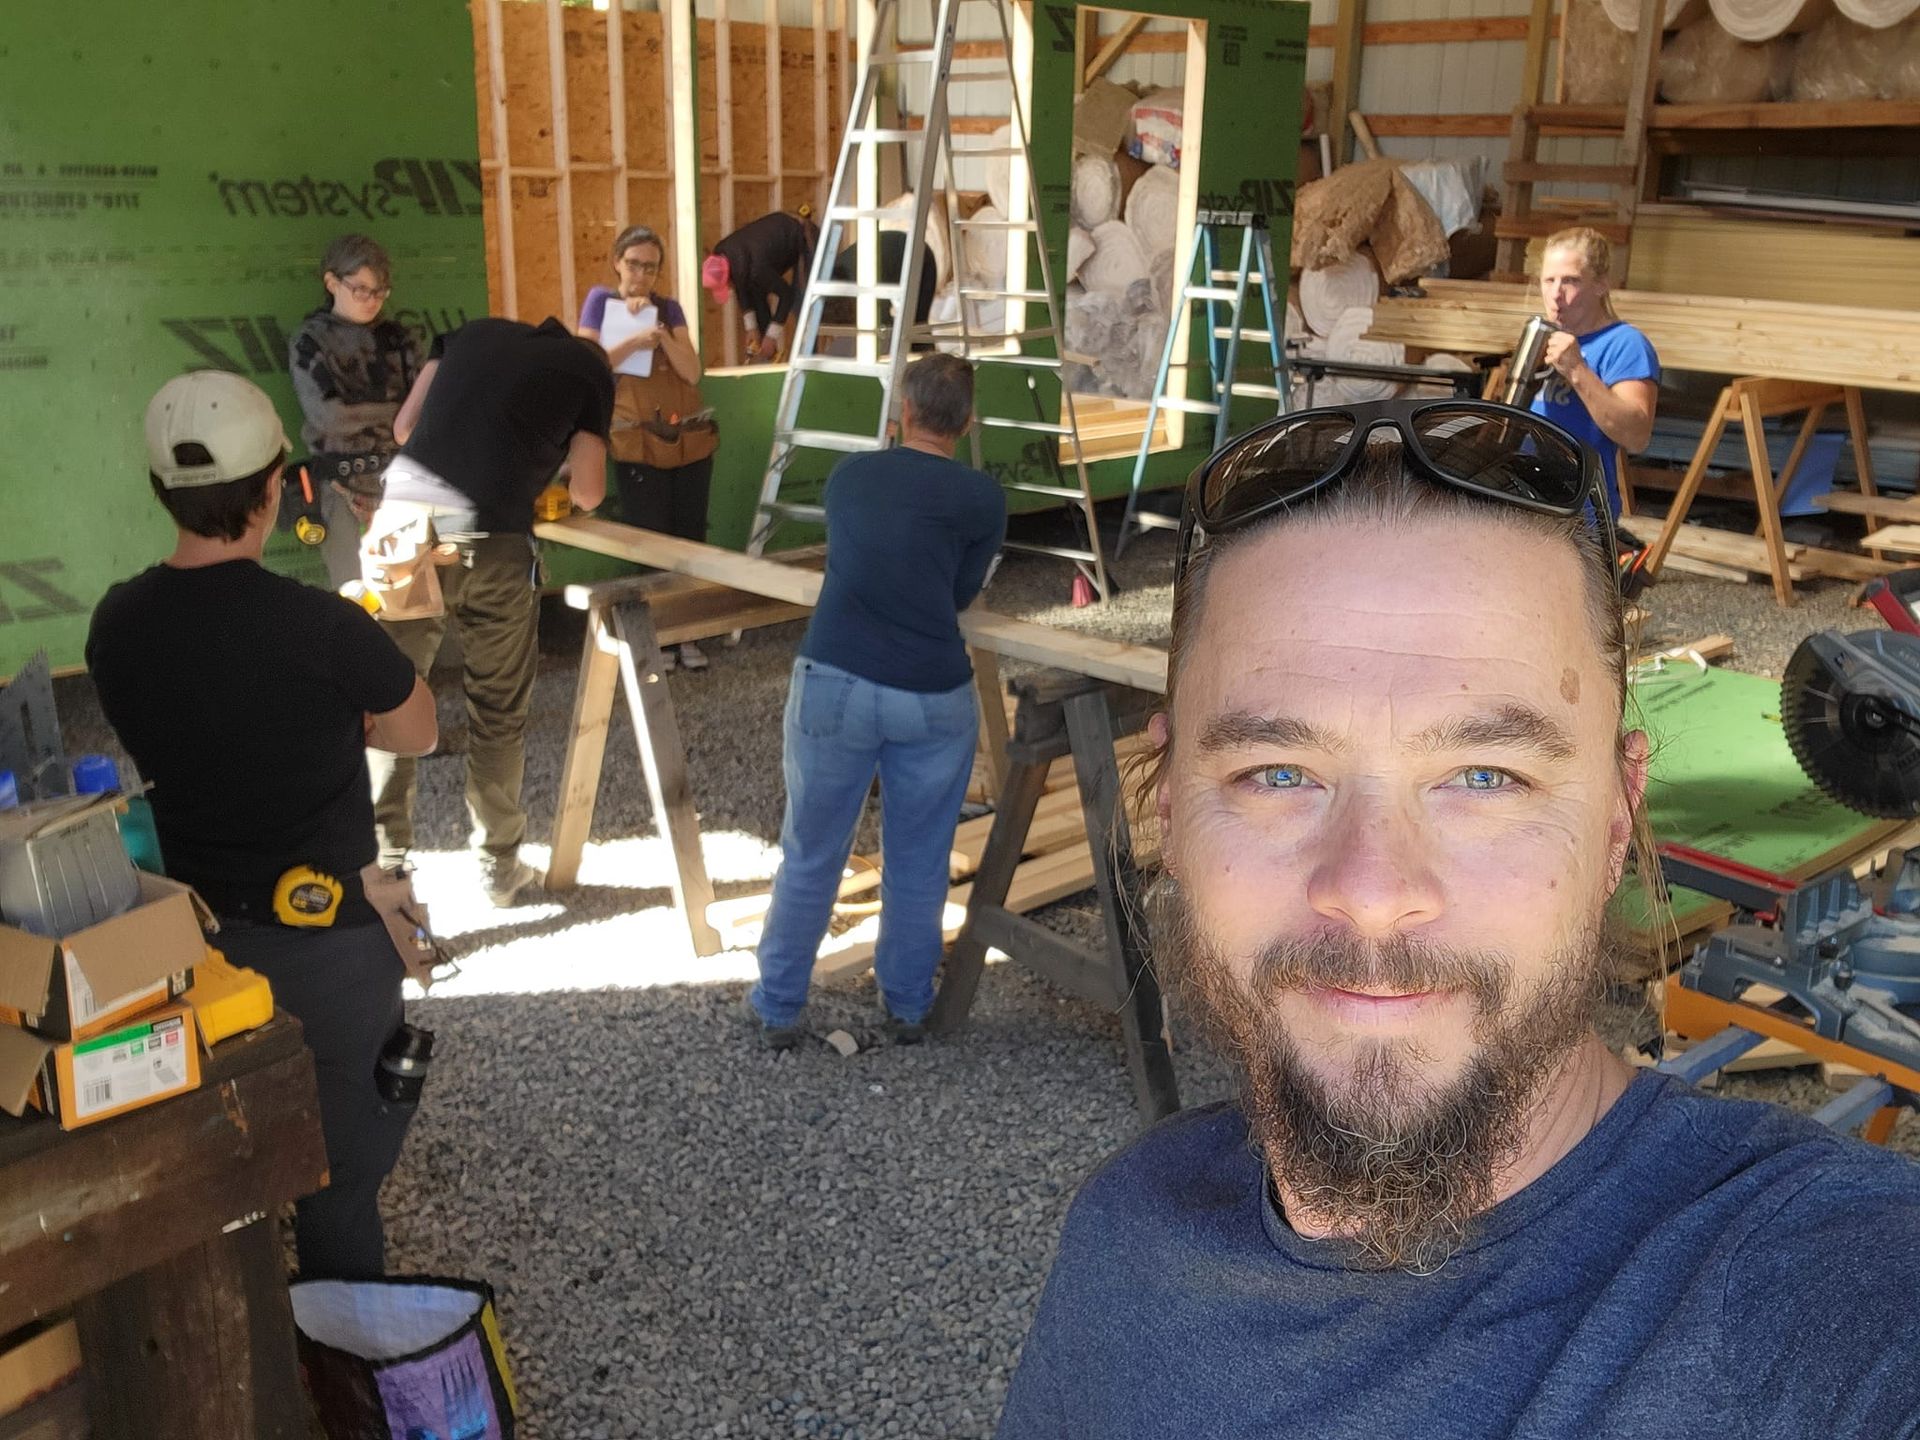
(1842, 732)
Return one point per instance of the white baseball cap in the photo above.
(229, 417)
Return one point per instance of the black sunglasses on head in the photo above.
(1494, 451)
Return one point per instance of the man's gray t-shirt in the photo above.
(1694, 1267)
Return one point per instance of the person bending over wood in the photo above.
(1395, 796)
(763, 265)
(883, 685)
(249, 702)
(1606, 377)
(497, 411)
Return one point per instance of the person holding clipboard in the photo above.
(663, 434)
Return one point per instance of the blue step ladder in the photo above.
(1225, 294)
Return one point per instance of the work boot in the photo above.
(772, 1037)
(904, 1032)
(506, 879)
(692, 657)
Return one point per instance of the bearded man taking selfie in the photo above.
(1395, 796)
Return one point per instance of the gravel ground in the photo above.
(692, 1237)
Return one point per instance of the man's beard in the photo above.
(1395, 1166)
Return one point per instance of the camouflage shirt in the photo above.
(350, 380)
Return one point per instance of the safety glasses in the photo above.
(1493, 451)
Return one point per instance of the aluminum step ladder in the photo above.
(882, 340)
(1225, 295)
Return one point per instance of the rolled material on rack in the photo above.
(1079, 251)
(1704, 65)
(1625, 14)
(1902, 74)
(983, 253)
(1844, 60)
(1327, 294)
(1878, 14)
(1837, 61)
(1117, 260)
(1153, 209)
(1757, 20)
(1296, 322)
(1160, 268)
(1596, 60)
(1345, 344)
(1096, 191)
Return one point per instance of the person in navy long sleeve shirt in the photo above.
(882, 685)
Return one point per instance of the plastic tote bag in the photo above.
(404, 1359)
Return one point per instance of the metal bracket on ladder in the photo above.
(882, 345)
(1225, 294)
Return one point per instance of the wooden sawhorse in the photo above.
(1057, 714)
(1747, 402)
(622, 649)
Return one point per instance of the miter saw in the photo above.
(1845, 958)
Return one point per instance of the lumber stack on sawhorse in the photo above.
(1065, 714)
(622, 650)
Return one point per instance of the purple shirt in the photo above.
(594, 312)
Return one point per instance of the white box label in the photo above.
(128, 1065)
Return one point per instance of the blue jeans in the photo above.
(840, 730)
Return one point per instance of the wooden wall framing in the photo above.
(583, 131)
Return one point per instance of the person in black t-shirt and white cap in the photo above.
(499, 407)
(248, 700)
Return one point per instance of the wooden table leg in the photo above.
(993, 716)
(1690, 482)
(1862, 457)
(1751, 422)
(664, 759)
(1117, 881)
(586, 750)
(967, 956)
(199, 1347)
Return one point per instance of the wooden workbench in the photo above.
(158, 1230)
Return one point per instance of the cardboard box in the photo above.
(87, 983)
(83, 1082)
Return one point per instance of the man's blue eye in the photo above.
(1280, 777)
(1484, 777)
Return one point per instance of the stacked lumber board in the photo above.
(1831, 344)
(1733, 551)
(1110, 429)
(1679, 251)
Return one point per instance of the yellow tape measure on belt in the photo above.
(307, 897)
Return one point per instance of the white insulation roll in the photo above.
(1327, 294)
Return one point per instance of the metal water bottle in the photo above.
(1524, 369)
(402, 1068)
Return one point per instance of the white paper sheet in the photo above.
(618, 325)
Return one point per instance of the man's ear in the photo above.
(1635, 753)
(1160, 735)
